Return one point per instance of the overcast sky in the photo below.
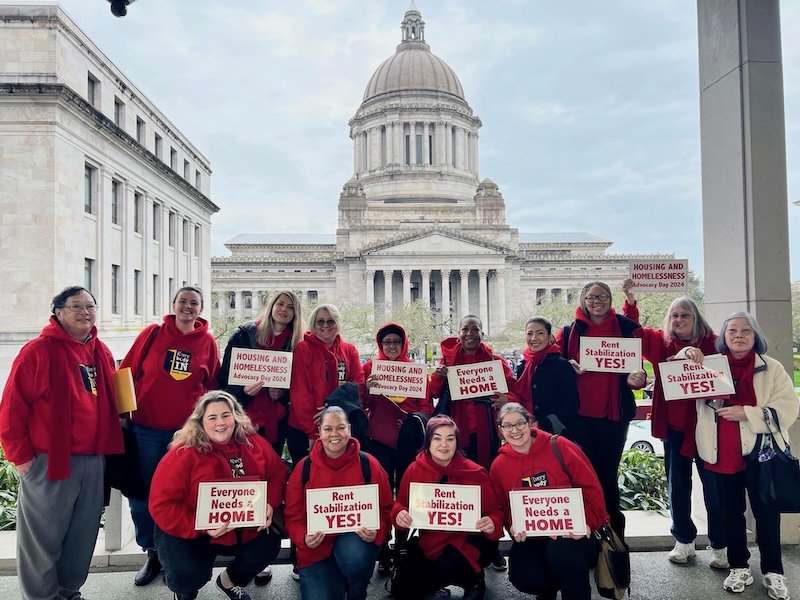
(589, 109)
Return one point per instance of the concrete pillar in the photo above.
(239, 302)
(369, 285)
(743, 160)
(357, 153)
(446, 301)
(412, 140)
(425, 145)
(500, 307)
(463, 305)
(483, 305)
(399, 142)
(406, 274)
(390, 159)
(387, 289)
(426, 286)
(448, 144)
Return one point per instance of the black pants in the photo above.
(297, 442)
(543, 566)
(188, 563)
(603, 442)
(419, 576)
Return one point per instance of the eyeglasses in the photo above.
(77, 308)
(391, 342)
(601, 297)
(323, 322)
(519, 426)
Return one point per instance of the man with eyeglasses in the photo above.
(58, 419)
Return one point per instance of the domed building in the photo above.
(416, 222)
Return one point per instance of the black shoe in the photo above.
(499, 563)
(384, 562)
(152, 567)
(295, 573)
(476, 593)
(234, 593)
(264, 577)
(177, 596)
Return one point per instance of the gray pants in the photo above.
(57, 525)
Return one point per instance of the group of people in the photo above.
(556, 426)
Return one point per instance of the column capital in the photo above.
(482, 273)
(500, 273)
(368, 275)
(407, 273)
(445, 273)
(464, 272)
(425, 272)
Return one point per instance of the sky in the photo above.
(590, 109)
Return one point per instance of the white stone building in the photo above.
(415, 219)
(97, 186)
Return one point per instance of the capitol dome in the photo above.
(413, 66)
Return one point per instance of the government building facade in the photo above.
(98, 187)
(415, 221)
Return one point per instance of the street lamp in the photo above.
(425, 341)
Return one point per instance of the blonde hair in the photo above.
(266, 324)
(192, 434)
(332, 311)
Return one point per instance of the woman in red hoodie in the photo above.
(217, 443)
(444, 558)
(333, 566)
(322, 362)
(173, 365)
(606, 399)
(392, 345)
(545, 565)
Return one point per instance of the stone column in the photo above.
(463, 305)
(500, 308)
(399, 141)
(387, 289)
(369, 284)
(406, 273)
(357, 152)
(445, 301)
(239, 302)
(426, 286)
(448, 144)
(390, 143)
(475, 163)
(412, 141)
(482, 299)
(425, 145)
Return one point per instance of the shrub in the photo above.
(642, 481)
(9, 486)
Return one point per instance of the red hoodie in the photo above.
(331, 472)
(173, 492)
(57, 379)
(512, 470)
(460, 471)
(174, 372)
(316, 371)
(407, 404)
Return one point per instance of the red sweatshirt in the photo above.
(173, 491)
(316, 371)
(512, 470)
(407, 404)
(175, 371)
(56, 378)
(460, 471)
(331, 472)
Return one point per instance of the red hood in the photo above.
(402, 332)
(200, 326)
(54, 330)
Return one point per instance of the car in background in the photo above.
(640, 438)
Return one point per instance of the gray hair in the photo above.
(333, 410)
(513, 407)
(761, 344)
(333, 311)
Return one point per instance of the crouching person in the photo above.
(217, 443)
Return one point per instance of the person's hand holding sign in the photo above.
(499, 399)
(215, 533)
(485, 525)
(314, 539)
(368, 535)
(268, 522)
(576, 366)
(441, 371)
(404, 519)
(253, 388)
(637, 379)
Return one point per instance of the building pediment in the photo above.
(435, 243)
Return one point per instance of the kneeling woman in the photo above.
(216, 443)
(445, 558)
(335, 566)
(543, 565)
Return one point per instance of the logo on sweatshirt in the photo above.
(89, 378)
(177, 364)
(535, 481)
(341, 368)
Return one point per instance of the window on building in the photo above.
(453, 145)
(312, 296)
(156, 221)
(115, 289)
(116, 201)
(137, 292)
(408, 150)
(159, 146)
(88, 274)
(186, 170)
(430, 149)
(140, 131)
(119, 113)
(419, 149)
(173, 159)
(138, 211)
(93, 90)
(197, 240)
(540, 295)
(197, 179)
(185, 240)
(89, 189)
(173, 228)
(247, 299)
(231, 300)
(156, 296)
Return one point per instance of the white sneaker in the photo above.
(681, 553)
(719, 559)
(738, 579)
(776, 586)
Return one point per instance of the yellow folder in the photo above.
(124, 391)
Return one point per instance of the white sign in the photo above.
(611, 355)
(394, 378)
(476, 380)
(659, 275)
(548, 511)
(685, 379)
(251, 366)
(237, 503)
(342, 509)
(444, 507)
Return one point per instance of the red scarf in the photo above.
(533, 359)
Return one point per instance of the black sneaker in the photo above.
(295, 573)
(499, 563)
(234, 593)
(264, 577)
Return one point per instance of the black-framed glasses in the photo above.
(601, 297)
(519, 426)
(323, 322)
(78, 308)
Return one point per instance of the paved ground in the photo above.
(654, 578)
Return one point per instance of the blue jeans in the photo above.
(679, 489)
(346, 572)
(152, 448)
